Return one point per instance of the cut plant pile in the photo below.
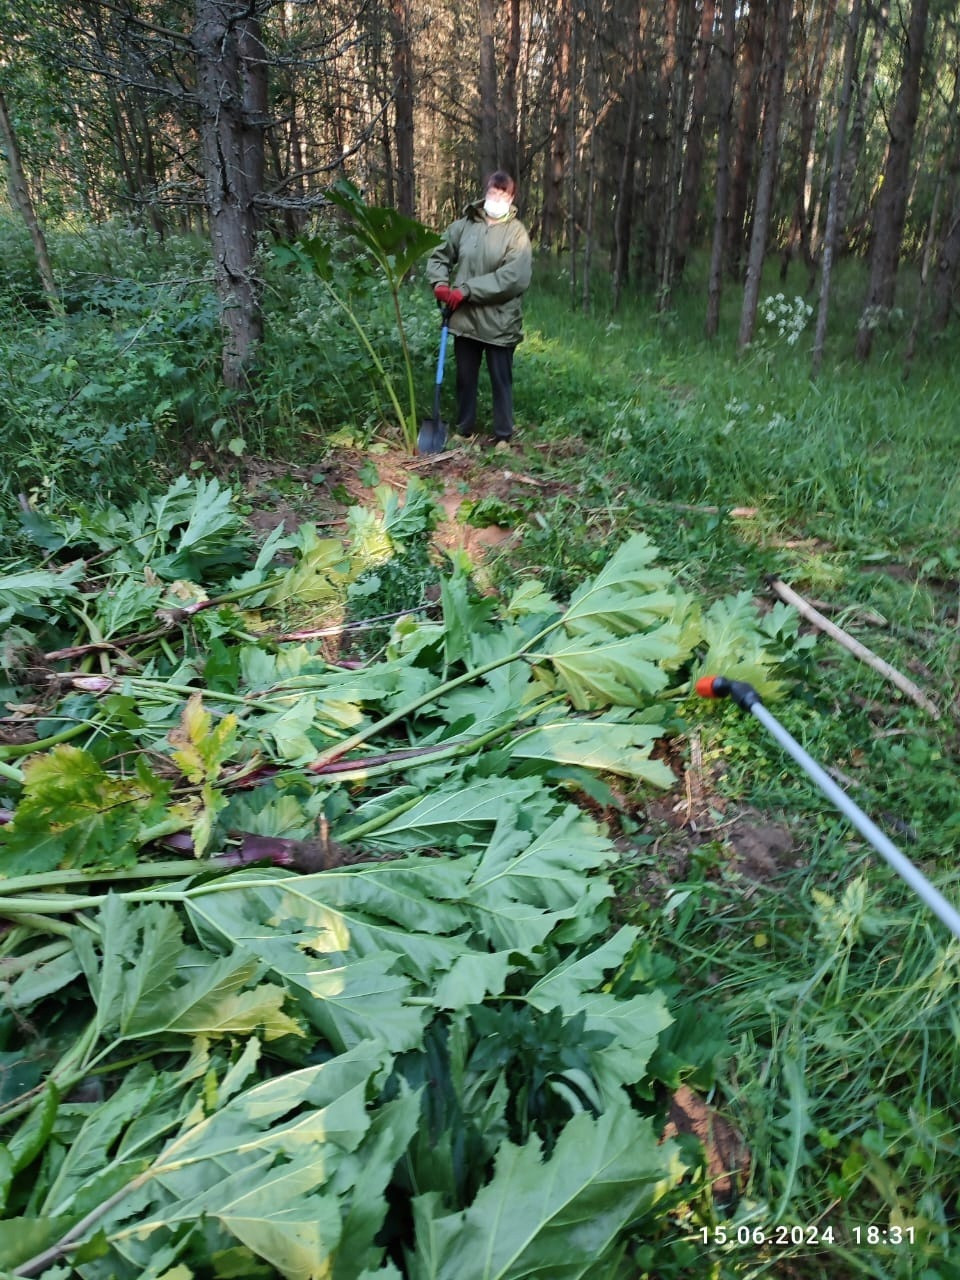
(436, 1058)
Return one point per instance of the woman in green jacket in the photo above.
(481, 271)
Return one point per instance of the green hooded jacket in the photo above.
(491, 262)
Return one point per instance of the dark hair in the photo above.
(502, 181)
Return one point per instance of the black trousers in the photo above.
(469, 356)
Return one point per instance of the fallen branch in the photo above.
(789, 596)
(522, 479)
(432, 459)
(736, 513)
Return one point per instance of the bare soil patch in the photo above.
(727, 1155)
(282, 493)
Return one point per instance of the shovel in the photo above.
(433, 432)
(747, 699)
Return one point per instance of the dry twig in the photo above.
(806, 610)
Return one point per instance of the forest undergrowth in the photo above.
(813, 1023)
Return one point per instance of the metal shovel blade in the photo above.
(432, 436)
(433, 432)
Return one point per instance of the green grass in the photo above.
(861, 458)
(836, 985)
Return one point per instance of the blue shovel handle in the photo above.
(444, 333)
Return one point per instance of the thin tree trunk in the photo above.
(231, 80)
(722, 197)
(693, 159)
(858, 128)
(403, 106)
(23, 203)
(940, 284)
(746, 133)
(948, 257)
(489, 148)
(929, 243)
(768, 169)
(836, 185)
(594, 114)
(623, 212)
(588, 221)
(675, 77)
(152, 176)
(799, 239)
(558, 146)
(891, 205)
(509, 157)
(572, 165)
(948, 262)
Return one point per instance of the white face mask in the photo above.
(496, 206)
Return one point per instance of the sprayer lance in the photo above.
(747, 698)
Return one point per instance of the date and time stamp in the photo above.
(783, 1235)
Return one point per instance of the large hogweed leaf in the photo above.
(359, 949)
(376, 536)
(293, 1168)
(558, 1217)
(619, 635)
(146, 982)
(597, 744)
(742, 645)
(345, 982)
(320, 573)
(32, 592)
(128, 603)
(629, 594)
(549, 869)
(394, 240)
(459, 817)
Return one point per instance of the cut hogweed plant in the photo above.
(333, 1072)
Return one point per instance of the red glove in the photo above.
(449, 297)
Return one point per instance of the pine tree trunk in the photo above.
(891, 206)
(948, 262)
(403, 107)
(623, 211)
(693, 159)
(675, 84)
(929, 244)
(746, 134)
(572, 227)
(781, 15)
(858, 128)
(944, 278)
(799, 237)
(23, 203)
(509, 133)
(722, 196)
(557, 150)
(588, 217)
(489, 150)
(231, 82)
(836, 185)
